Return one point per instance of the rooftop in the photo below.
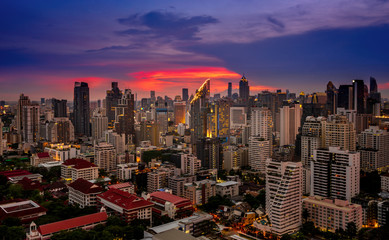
(124, 199)
(226, 184)
(173, 234)
(78, 163)
(19, 208)
(168, 197)
(85, 186)
(120, 185)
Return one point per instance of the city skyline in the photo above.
(167, 46)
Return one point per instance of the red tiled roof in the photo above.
(78, 163)
(43, 155)
(124, 199)
(28, 184)
(120, 185)
(72, 223)
(85, 186)
(15, 173)
(21, 210)
(168, 197)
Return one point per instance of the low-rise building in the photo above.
(83, 193)
(46, 231)
(332, 214)
(383, 213)
(176, 184)
(126, 187)
(40, 158)
(385, 182)
(125, 171)
(17, 175)
(62, 152)
(73, 169)
(171, 205)
(26, 210)
(125, 205)
(229, 188)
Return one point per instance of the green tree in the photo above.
(16, 233)
(286, 237)
(11, 222)
(351, 229)
(16, 191)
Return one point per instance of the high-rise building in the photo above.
(359, 96)
(158, 179)
(373, 146)
(1, 138)
(31, 123)
(373, 85)
(23, 101)
(312, 138)
(238, 117)
(259, 152)
(81, 109)
(111, 102)
(339, 132)
(117, 140)
(179, 112)
(218, 119)
(185, 95)
(290, 121)
(332, 100)
(230, 90)
(262, 123)
(231, 158)
(210, 152)
(99, 124)
(199, 107)
(335, 173)
(60, 130)
(125, 118)
(346, 97)
(152, 96)
(105, 156)
(60, 108)
(244, 89)
(284, 195)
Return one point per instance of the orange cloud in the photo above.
(383, 85)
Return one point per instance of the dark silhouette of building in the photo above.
(111, 102)
(244, 89)
(346, 97)
(229, 89)
(81, 109)
(126, 121)
(359, 96)
(332, 102)
(60, 109)
(373, 85)
(210, 152)
(185, 94)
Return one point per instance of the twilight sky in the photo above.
(300, 45)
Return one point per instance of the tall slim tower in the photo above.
(60, 108)
(359, 96)
(230, 89)
(244, 89)
(185, 94)
(111, 102)
(373, 85)
(31, 123)
(339, 132)
(332, 101)
(81, 109)
(23, 101)
(125, 116)
(290, 121)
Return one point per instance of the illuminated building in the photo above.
(198, 113)
(179, 112)
(125, 120)
(210, 152)
(373, 146)
(284, 195)
(259, 152)
(149, 132)
(231, 158)
(74, 169)
(238, 117)
(158, 179)
(335, 173)
(244, 89)
(111, 102)
(290, 121)
(167, 204)
(383, 213)
(200, 191)
(332, 214)
(262, 124)
(176, 183)
(339, 132)
(81, 109)
(105, 156)
(23, 101)
(218, 119)
(31, 123)
(60, 130)
(62, 152)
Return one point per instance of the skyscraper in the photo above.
(359, 96)
(60, 108)
(244, 89)
(111, 102)
(179, 112)
(373, 85)
(152, 96)
(81, 109)
(290, 121)
(185, 94)
(105, 156)
(335, 173)
(346, 97)
(23, 101)
(332, 102)
(99, 125)
(284, 195)
(125, 116)
(31, 123)
(230, 89)
(259, 152)
(339, 132)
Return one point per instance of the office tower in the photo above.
(152, 96)
(81, 109)
(335, 173)
(116, 140)
(125, 118)
(373, 85)
(259, 152)
(346, 97)
(105, 156)
(185, 95)
(244, 89)
(373, 146)
(31, 123)
(332, 101)
(359, 96)
(99, 124)
(339, 132)
(23, 101)
(262, 123)
(284, 195)
(230, 90)
(111, 102)
(218, 119)
(60, 108)
(312, 138)
(1, 138)
(238, 117)
(210, 152)
(60, 130)
(198, 113)
(290, 121)
(149, 132)
(179, 112)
